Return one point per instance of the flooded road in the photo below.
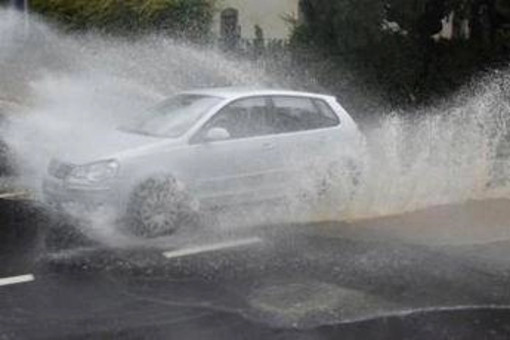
(406, 270)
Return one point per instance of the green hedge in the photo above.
(401, 62)
(190, 19)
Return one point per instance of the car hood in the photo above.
(114, 144)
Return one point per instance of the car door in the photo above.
(309, 134)
(239, 169)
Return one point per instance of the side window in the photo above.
(291, 114)
(242, 119)
(327, 113)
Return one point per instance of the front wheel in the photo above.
(160, 206)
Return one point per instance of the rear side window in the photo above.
(327, 112)
(291, 114)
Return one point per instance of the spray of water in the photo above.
(73, 89)
(448, 154)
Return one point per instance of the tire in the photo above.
(160, 206)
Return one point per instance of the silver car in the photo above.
(207, 149)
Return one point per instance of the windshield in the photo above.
(174, 116)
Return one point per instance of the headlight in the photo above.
(93, 173)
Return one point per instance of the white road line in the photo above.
(16, 279)
(211, 247)
(14, 195)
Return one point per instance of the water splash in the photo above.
(72, 88)
(448, 154)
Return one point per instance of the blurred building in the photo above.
(248, 19)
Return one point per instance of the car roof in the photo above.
(240, 92)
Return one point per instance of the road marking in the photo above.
(16, 279)
(14, 195)
(211, 247)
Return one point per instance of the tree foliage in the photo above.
(395, 44)
(190, 19)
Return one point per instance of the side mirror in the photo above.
(217, 134)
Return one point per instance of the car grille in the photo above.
(59, 170)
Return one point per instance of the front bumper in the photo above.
(57, 193)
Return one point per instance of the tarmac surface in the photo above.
(443, 273)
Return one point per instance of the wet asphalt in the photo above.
(299, 283)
